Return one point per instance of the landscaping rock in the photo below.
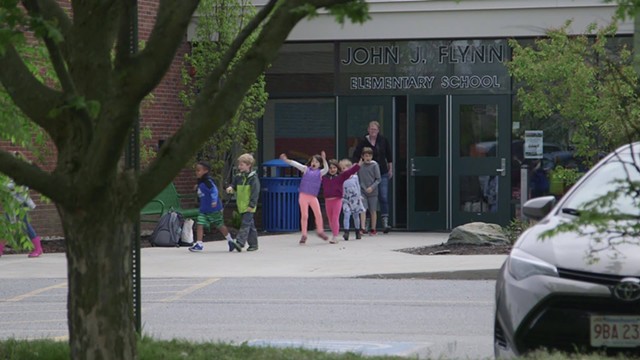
(478, 233)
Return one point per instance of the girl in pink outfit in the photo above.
(309, 189)
(21, 196)
(332, 187)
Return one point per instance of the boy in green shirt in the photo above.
(247, 188)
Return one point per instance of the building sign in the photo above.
(424, 67)
(533, 144)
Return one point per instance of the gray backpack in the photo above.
(168, 230)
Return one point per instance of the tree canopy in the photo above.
(584, 87)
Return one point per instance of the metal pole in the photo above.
(132, 161)
(524, 187)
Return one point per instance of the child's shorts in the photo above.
(370, 203)
(214, 218)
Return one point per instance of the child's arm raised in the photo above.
(293, 163)
(325, 164)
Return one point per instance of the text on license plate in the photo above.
(615, 331)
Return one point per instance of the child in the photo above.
(332, 187)
(247, 188)
(369, 177)
(309, 188)
(21, 196)
(210, 206)
(351, 200)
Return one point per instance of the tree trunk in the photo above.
(99, 271)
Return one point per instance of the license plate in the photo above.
(615, 331)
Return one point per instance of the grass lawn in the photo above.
(150, 349)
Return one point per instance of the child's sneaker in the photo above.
(252, 248)
(373, 232)
(196, 247)
(237, 246)
(345, 236)
(323, 236)
(334, 240)
(231, 246)
(303, 239)
(358, 235)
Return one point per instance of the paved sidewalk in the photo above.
(280, 256)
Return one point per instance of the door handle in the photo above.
(503, 168)
(413, 168)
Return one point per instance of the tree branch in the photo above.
(24, 173)
(32, 97)
(104, 136)
(135, 76)
(214, 107)
(52, 10)
(143, 72)
(54, 51)
(213, 80)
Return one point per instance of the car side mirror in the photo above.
(539, 207)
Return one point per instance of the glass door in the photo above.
(354, 114)
(426, 167)
(479, 161)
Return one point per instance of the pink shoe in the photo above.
(37, 247)
(1, 248)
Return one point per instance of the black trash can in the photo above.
(279, 186)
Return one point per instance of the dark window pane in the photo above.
(427, 123)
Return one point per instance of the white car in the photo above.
(578, 289)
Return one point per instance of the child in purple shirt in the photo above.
(309, 189)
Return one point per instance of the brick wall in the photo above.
(163, 116)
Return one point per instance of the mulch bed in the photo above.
(459, 249)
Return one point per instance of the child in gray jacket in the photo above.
(369, 176)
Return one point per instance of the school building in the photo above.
(431, 72)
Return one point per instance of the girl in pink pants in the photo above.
(309, 189)
(332, 187)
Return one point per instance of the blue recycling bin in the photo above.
(280, 209)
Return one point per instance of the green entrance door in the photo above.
(457, 161)
(480, 159)
(426, 168)
(456, 167)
